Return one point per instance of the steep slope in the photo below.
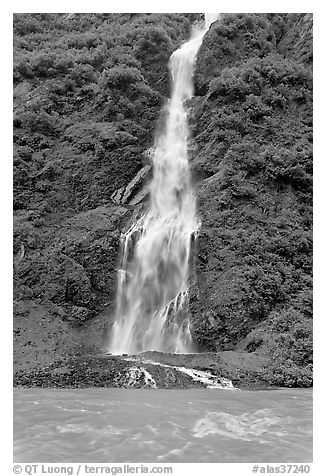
(252, 127)
(88, 91)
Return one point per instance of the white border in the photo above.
(318, 9)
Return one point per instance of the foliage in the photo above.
(86, 102)
(88, 90)
(253, 130)
(286, 339)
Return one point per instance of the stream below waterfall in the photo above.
(177, 426)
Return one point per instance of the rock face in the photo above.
(88, 91)
(135, 191)
(253, 131)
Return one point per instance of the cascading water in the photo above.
(152, 294)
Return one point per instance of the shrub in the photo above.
(23, 70)
(41, 122)
(120, 77)
(82, 74)
(43, 65)
(153, 42)
(286, 340)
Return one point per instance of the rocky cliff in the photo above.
(88, 91)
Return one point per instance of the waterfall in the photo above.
(152, 294)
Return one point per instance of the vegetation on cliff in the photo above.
(253, 134)
(88, 90)
(86, 104)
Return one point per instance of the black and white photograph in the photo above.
(162, 241)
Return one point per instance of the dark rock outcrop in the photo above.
(148, 370)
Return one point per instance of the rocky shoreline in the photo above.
(49, 353)
(149, 370)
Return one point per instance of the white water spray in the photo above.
(152, 295)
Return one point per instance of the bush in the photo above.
(23, 70)
(286, 340)
(82, 74)
(120, 77)
(41, 122)
(25, 24)
(153, 42)
(231, 84)
(43, 65)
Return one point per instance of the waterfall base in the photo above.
(222, 370)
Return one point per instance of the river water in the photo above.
(181, 426)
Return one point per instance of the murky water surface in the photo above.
(124, 425)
